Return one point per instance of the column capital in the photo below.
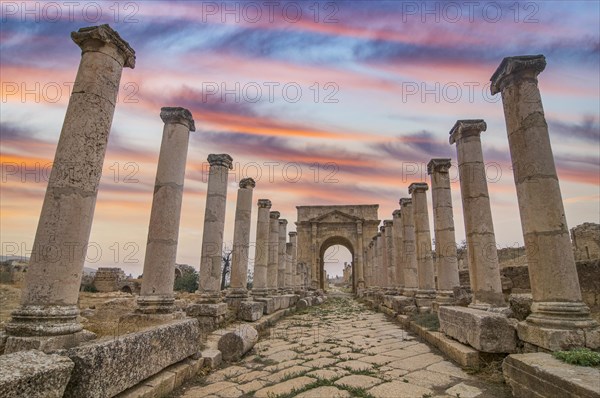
(283, 221)
(466, 127)
(514, 69)
(405, 202)
(378, 235)
(417, 187)
(248, 183)
(264, 203)
(274, 215)
(388, 223)
(381, 229)
(106, 35)
(438, 166)
(177, 115)
(397, 213)
(292, 233)
(221, 159)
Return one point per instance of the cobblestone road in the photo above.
(342, 349)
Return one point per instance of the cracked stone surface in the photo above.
(341, 349)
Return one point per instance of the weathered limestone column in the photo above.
(281, 286)
(389, 250)
(156, 296)
(426, 292)
(289, 276)
(314, 267)
(214, 223)
(484, 270)
(443, 221)
(381, 266)
(241, 240)
(409, 252)
(369, 266)
(559, 318)
(397, 254)
(49, 296)
(261, 256)
(273, 268)
(359, 261)
(296, 272)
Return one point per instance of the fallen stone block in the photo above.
(483, 330)
(33, 374)
(212, 358)
(234, 345)
(108, 367)
(520, 305)
(251, 311)
(302, 303)
(541, 375)
(269, 304)
(403, 305)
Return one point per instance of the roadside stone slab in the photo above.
(393, 389)
(33, 374)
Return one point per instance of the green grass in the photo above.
(579, 356)
(428, 321)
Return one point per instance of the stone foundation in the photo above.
(210, 316)
(47, 344)
(250, 311)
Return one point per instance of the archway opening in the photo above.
(336, 254)
(126, 289)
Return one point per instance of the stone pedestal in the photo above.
(389, 250)
(261, 256)
(156, 296)
(484, 271)
(381, 270)
(209, 289)
(426, 292)
(250, 311)
(397, 254)
(409, 253)
(281, 287)
(559, 318)
(273, 267)
(211, 316)
(51, 289)
(445, 240)
(241, 243)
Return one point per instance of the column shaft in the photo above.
(281, 281)
(409, 258)
(296, 278)
(397, 254)
(389, 251)
(261, 254)
(273, 269)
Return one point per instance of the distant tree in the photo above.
(225, 268)
(250, 282)
(188, 281)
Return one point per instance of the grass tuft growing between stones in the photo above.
(579, 356)
(428, 321)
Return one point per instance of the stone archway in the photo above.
(320, 227)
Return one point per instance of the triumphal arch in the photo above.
(320, 227)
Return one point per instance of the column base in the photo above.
(260, 292)
(443, 298)
(502, 310)
(211, 316)
(237, 292)
(155, 304)
(47, 344)
(424, 299)
(44, 321)
(560, 325)
(409, 291)
(209, 297)
(360, 284)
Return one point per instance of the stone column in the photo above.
(49, 296)
(273, 268)
(156, 296)
(559, 318)
(389, 249)
(369, 265)
(261, 255)
(359, 260)
(397, 254)
(381, 266)
(214, 223)
(314, 269)
(409, 252)
(426, 292)
(484, 270)
(281, 286)
(296, 272)
(445, 240)
(289, 276)
(241, 240)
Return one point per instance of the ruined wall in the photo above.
(13, 272)
(108, 279)
(586, 241)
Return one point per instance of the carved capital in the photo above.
(417, 187)
(467, 127)
(221, 159)
(514, 69)
(264, 203)
(177, 115)
(405, 202)
(438, 166)
(248, 183)
(283, 222)
(106, 35)
(388, 223)
(274, 215)
(397, 213)
(292, 234)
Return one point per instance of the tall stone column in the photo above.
(397, 254)
(426, 292)
(484, 270)
(379, 259)
(443, 221)
(409, 252)
(214, 223)
(389, 250)
(49, 296)
(296, 280)
(156, 296)
(359, 260)
(281, 285)
(314, 269)
(273, 268)
(559, 318)
(241, 240)
(369, 265)
(261, 256)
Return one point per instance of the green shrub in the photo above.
(428, 321)
(579, 356)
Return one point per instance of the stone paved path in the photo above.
(341, 349)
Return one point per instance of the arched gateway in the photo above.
(320, 227)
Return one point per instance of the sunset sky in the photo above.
(321, 102)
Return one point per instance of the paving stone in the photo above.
(358, 381)
(320, 363)
(355, 365)
(433, 380)
(397, 389)
(282, 365)
(324, 392)
(250, 376)
(277, 377)
(252, 386)
(328, 374)
(416, 362)
(463, 390)
(450, 369)
(378, 359)
(282, 356)
(284, 388)
(210, 389)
